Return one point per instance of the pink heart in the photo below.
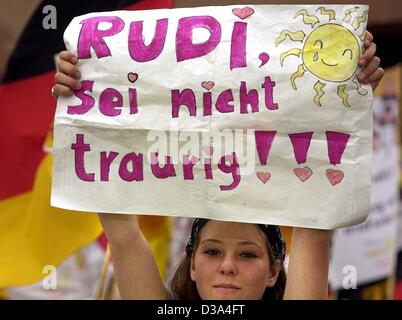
(207, 85)
(263, 176)
(334, 176)
(303, 173)
(243, 13)
(208, 150)
(132, 77)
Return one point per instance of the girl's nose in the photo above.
(229, 265)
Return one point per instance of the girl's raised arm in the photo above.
(135, 268)
(307, 276)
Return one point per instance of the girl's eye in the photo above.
(212, 252)
(248, 255)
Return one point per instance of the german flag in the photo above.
(33, 234)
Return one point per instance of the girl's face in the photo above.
(232, 262)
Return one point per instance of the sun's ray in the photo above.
(294, 36)
(318, 88)
(343, 95)
(330, 13)
(363, 34)
(307, 19)
(356, 23)
(348, 14)
(294, 51)
(359, 88)
(297, 74)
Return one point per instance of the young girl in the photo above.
(224, 260)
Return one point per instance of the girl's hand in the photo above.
(371, 71)
(120, 229)
(66, 79)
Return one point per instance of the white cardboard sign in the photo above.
(243, 113)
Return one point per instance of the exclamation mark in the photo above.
(336, 142)
(301, 143)
(263, 141)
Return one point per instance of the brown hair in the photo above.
(184, 288)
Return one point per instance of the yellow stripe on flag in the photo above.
(158, 232)
(33, 234)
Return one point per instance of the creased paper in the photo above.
(243, 113)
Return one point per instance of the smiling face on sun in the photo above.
(331, 52)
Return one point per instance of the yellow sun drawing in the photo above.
(330, 52)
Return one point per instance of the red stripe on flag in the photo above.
(398, 291)
(146, 4)
(102, 241)
(26, 113)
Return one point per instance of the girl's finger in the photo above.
(69, 69)
(68, 56)
(368, 55)
(65, 80)
(365, 75)
(60, 90)
(368, 39)
(375, 77)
